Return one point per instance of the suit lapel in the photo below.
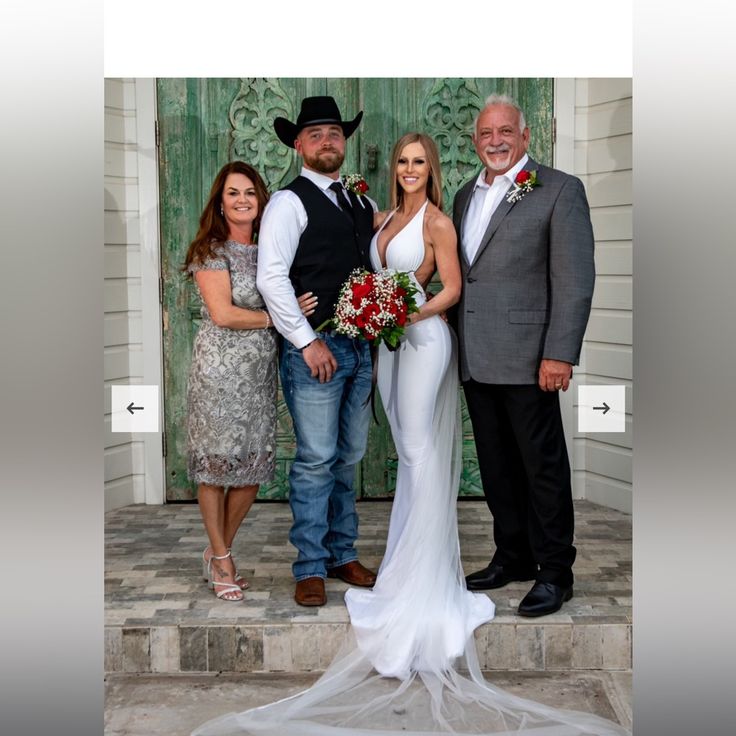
(501, 211)
(466, 195)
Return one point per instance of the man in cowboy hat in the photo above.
(313, 234)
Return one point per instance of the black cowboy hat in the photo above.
(315, 111)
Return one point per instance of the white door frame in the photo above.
(564, 159)
(150, 247)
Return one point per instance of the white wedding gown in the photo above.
(409, 665)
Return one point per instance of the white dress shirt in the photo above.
(284, 220)
(483, 203)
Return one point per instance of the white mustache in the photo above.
(497, 149)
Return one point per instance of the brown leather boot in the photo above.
(354, 573)
(310, 592)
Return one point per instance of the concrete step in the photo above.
(161, 618)
(161, 705)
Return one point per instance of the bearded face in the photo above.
(499, 141)
(322, 147)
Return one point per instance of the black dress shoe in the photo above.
(495, 576)
(544, 598)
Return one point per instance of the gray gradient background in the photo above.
(51, 398)
(684, 371)
(51, 368)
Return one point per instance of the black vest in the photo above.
(331, 246)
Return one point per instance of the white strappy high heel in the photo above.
(243, 584)
(225, 587)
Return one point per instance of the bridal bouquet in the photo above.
(374, 306)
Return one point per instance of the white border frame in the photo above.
(150, 247)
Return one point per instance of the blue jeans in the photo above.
(331, 427)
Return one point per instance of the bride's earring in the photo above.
(222, 211)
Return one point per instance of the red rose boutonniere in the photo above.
(355, 183)
(523, 184)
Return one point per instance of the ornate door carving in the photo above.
(206, 122)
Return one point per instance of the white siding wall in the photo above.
(124, 460)
(603, 144)
(602, 159)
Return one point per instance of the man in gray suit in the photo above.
(526, 251)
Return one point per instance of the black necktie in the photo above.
(342, 200)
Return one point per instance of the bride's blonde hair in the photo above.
(434, 182)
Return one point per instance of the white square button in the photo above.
(602, 408)
(135, 408)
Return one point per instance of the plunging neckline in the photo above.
(383, 261)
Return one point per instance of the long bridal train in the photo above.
(351, 699)
(409, 666)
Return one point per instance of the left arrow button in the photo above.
(127, 404)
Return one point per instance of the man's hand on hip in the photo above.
(320, 360)
(554, 375)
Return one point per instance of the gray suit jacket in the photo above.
(527, 294)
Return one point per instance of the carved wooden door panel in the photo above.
(445, 109)
(203, 123)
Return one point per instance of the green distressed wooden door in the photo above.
(203, 123)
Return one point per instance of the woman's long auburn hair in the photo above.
(213, 228)
(434, 182)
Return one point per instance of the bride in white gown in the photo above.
(409, 663)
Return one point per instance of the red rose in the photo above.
(361, 290)
(523, 176)
(362, 186)
(402, 315)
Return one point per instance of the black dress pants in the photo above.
(526, 477)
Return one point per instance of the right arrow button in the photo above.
(601, 408)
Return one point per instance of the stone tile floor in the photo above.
(168, 638)
(161, 618)
(153, 564)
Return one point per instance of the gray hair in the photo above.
(495, 99)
